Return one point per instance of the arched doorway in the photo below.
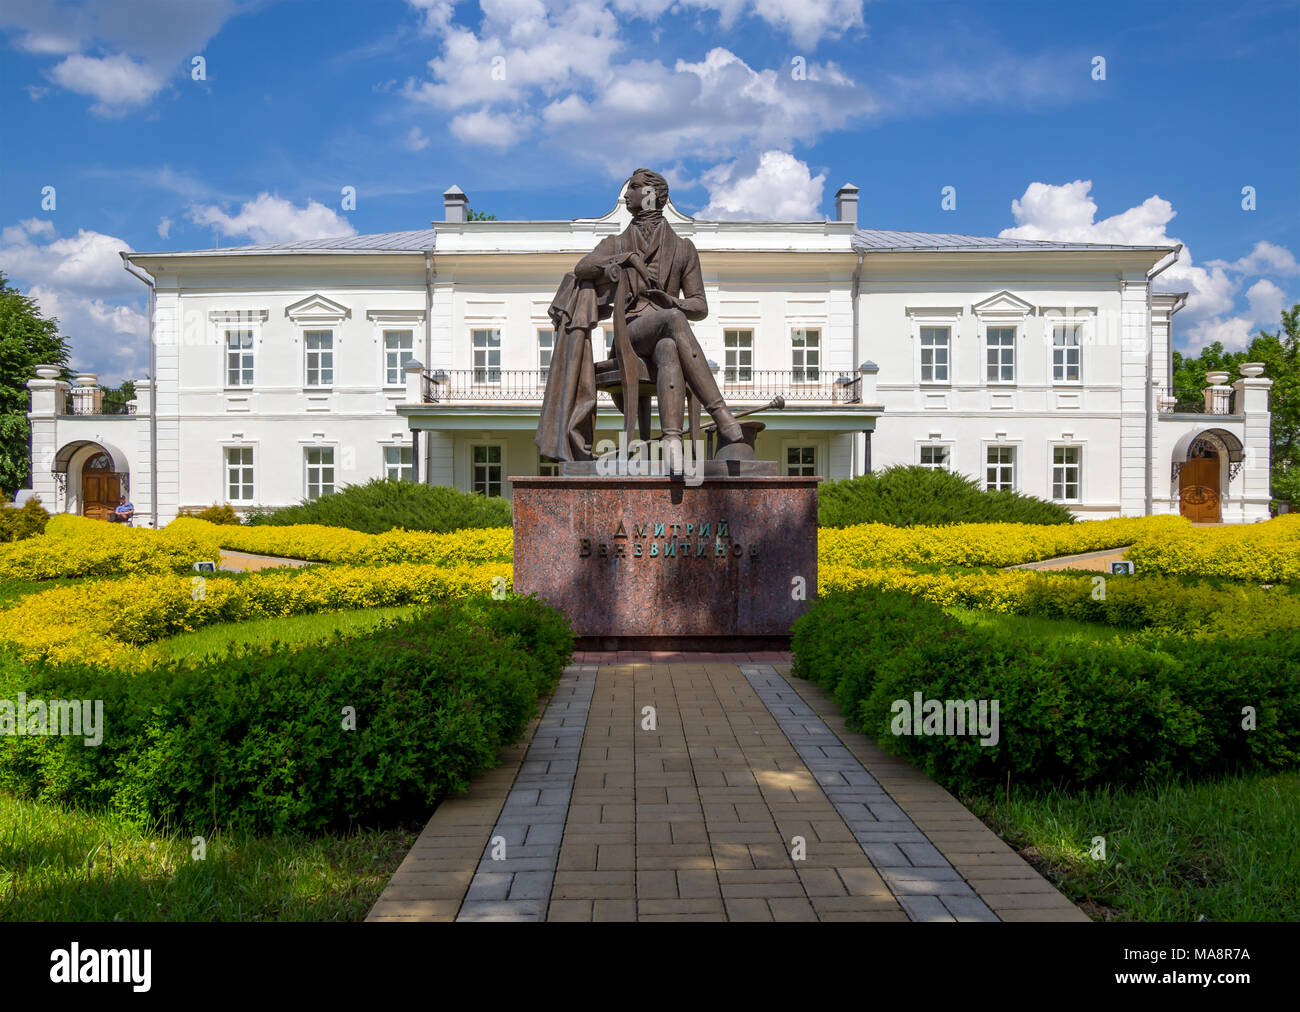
(1204, 462)
(100, 487)
(1198, 489)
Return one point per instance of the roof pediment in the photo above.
(1003, 304)
(317, 309)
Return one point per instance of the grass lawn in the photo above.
(296, 632)
(1037, 628)
(1222, 850)
(60, 865)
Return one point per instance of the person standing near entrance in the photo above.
(123, 511)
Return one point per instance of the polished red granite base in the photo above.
(654, 564)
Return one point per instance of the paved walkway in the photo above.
(1092, 561)
(748, 800)
(239, 562)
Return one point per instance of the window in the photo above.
(239, 358)
(1065, 354)
(1000, 472)
(486, 350)
(486, 470)
(239, 474)
(397, 463)
(399, 348)
(801, 461)
(320, 357)
(1000, 347)
(934, 354)
(936, 456)
(548, 468)
(545, 348)
(806, 354)
(320, 471)
(739, 356)
(1066, 470)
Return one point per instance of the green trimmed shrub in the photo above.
(218, 514)
(26, 521)
(1150, 706)
(384, 505)
(256, 742)
(908, 496)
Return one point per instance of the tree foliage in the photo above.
(1280, 353)
(27, 339)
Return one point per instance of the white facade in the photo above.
(284, 371)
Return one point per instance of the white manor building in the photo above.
(289, 370)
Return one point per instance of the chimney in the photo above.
(455, 204)
(846, 203)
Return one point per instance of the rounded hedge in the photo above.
(383, 504)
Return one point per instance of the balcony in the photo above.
(1214, 399)
(739, 387)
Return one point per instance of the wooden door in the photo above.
(99, 493)
(1198, 490)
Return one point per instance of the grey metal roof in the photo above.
(874, 240)
(415, 241)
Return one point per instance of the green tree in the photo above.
(27, 339)
(1280, 353)
(481, 216)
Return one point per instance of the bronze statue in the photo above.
(647, 280)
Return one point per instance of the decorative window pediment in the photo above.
(317, 309)
(407, 316)
(1003, 306)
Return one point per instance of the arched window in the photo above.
(99, 462)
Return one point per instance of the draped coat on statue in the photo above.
(597, 289)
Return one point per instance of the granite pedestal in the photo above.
(655, 563)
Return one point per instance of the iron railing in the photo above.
(72, 406)
(739, 386)
(1191, 401)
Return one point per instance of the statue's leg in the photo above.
(671, 391)
(696, 372)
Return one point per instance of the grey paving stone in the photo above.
(968, 908)
(925, 908)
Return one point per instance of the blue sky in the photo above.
(539, 110)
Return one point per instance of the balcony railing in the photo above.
(1210, 400)
(739, 386)
(95, 406)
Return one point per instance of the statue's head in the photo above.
(646, 190)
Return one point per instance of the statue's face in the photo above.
(641, 195)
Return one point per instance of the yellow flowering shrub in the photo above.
(1268, 552)
(78, 546)
(984, 544)
(1135, 602)
(108, 622)
(337, 544)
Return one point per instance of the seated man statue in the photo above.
(657, 289)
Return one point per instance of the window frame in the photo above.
(731, 372)
(1001, 348)
(251, 332)
(799, 374)
(470, 463)
(333, 465)
(935, 444)
(947, 351)
(487, 368)
(1014, 447)
(384, 331)
(226, 467)
(1080, 329)
(307, 352)
(1052, 466)
(543, 371)
(408, 467)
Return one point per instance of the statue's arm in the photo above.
(692, 302)
(600, 264)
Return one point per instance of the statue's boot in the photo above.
(672, 405)
(700, 379)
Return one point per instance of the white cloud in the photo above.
(779, 188)
(268, 218)
(416, 140)
(1068, 213)
(118, 52)
(495, 130)
(164, 227)
(35, 92)
(116, 83)
(80, 280)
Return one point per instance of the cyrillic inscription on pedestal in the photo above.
(655, 562)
